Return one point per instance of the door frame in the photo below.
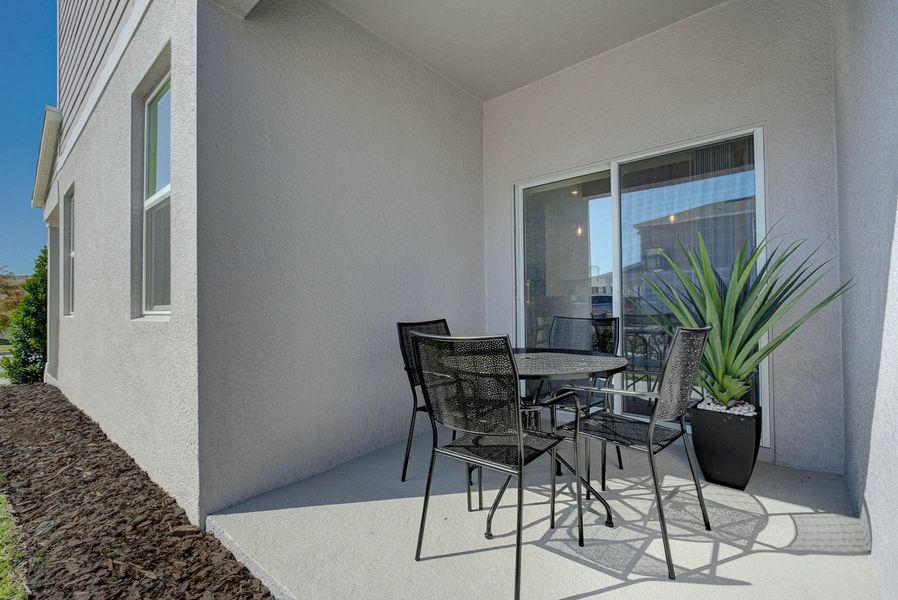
(613, 165)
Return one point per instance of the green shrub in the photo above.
(28, 329)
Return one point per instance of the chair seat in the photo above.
(500, 450)
(624, 431)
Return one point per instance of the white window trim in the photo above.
(68, 254)
(160, 196)
(765, 389)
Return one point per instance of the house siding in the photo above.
(85, 33)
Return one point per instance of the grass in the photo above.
(12, 583)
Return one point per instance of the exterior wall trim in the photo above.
(46, 154)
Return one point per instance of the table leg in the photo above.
(609, 522)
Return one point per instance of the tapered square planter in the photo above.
(726, 445)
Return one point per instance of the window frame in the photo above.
(155, 200)
(68, 254)
(765, 390)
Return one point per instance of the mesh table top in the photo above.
(543, 363)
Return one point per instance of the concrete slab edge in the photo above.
(276, 589)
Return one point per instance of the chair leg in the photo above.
(579, 494)
(489, 518)
(480, 488)
(433, 456)
(408, 444)
(588, 464)
(553, 426)
(552, 491)
(517, 564)
(608, 408)
(670, 568)
(604, 463)
(698, 487)
(469, 469)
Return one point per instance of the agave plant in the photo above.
(741, 310)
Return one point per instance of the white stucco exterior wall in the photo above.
(867, 123)
(136, 377)
(340, 191)
(742, 63)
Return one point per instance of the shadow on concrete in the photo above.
(783, 512)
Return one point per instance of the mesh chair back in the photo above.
(469, 384)
(597, 334)
(437, 327)
(684, 356)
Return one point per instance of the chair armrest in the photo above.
(559, 397)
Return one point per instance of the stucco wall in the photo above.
(745, 62)
(867, 125)
(135, 377)
(340, 191)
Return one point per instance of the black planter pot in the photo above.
(726, 445)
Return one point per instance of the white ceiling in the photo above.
(490, 47)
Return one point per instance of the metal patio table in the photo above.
(552, 364)
(536, 364)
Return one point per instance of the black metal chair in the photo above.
(471, 385)
(594, 334)
(670, 401)
(435, 327)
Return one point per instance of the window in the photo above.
(68, 253)
(157, 202)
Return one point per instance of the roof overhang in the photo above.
(46, 156)
(240, 8)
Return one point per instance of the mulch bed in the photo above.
(92, 523)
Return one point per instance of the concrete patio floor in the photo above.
(351, 533)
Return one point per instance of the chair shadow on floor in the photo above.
(630, 553)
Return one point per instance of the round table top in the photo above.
(547, 363)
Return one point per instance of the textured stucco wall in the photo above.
(136, 377)
(340, 190)
(867, 129)
(745, 62)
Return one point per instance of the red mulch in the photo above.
(92, 523)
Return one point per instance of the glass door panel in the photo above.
(568, 252)
(667, 201)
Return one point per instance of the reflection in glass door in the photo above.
(667, 201)
(568, 252)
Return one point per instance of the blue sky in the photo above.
(27, 84)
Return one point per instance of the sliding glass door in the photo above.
(579, 237)
(567, 252)
(666, 202)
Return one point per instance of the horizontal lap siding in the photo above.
(85, 33)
